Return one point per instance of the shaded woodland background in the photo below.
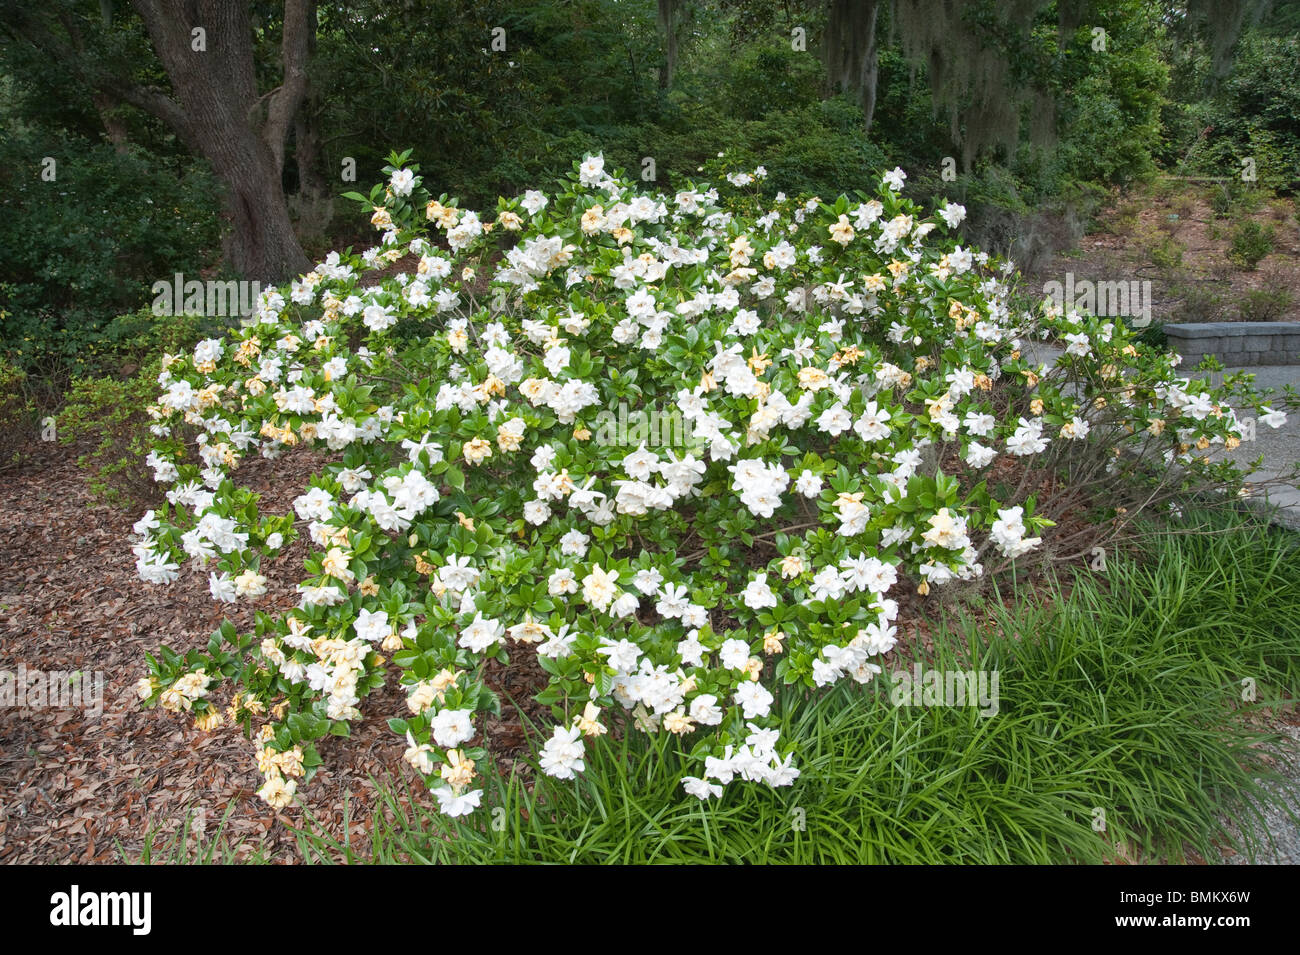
(226, 161)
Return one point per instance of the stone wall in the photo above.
(1236, 343)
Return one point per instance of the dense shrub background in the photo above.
(86, 247)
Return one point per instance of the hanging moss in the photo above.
(850, 51)
(1224, 20)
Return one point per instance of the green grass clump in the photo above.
(1123, 699)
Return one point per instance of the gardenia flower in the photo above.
(952, 214)
(562, 755)
(808, 484)
(734, 654)
(1274, 419)
(758, 594)
(250, 584)
(978, 456)
(701, 788)
(598, 588)
(754, 700)
(450, 728)
(946, 531)
(453, 804)
(1008, 532)
(871, 426)
(372, 626)
(1028, 438)
(592, 170)
(481, 634)
(402, 181)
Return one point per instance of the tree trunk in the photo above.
(313, 206)
(241, 134)
(667, 23)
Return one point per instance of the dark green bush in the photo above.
(89, 244)
(1250, 243)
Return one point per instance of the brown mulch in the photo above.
(81, 788)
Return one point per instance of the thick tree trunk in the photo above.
(217, 93)
(313, 206)
(262, 244)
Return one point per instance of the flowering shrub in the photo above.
(851, 377)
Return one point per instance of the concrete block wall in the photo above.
(1236, 343)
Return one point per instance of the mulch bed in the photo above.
(81, 788)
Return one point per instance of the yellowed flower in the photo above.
(589, 722)
(277, 793)
(841, 231)
(812, 378)
(268, 763)
(678, 722)
(290, 761)
(458, 771)
(477, 451)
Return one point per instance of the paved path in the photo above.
(1281, 446)
(1282, 844)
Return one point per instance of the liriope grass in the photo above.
(1121, 704)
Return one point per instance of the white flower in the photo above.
(592, 170)
(623, 655)
(451, 803)
(808, 484)
(562, 756)
(701, 788)
(894, 179)
(758, 594)
(450, 728)
(402, 182)
(598, 587)
(372, 626)
(734, 654)
(481, 634)
(754, 700)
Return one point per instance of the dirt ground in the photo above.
(1170, 234)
